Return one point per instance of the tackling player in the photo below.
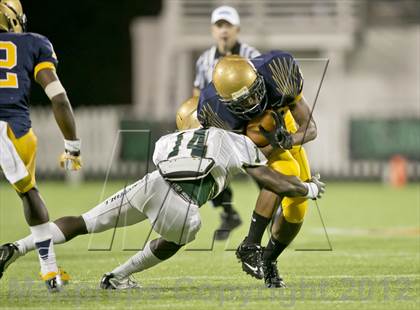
(241, 90)
(23, 57)
(225, 30)
(194, 166)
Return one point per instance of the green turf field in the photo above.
(374, 263)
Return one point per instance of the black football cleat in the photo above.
(230, 221)
(110, 282)
(250, 255)
(8, 254)
(107, 282)
(272, 278)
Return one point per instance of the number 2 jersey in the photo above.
(283, 82)
(22, 56)
(230, 152)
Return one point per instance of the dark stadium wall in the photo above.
(92, 42)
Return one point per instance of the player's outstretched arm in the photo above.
(63, 113)
(285, 185)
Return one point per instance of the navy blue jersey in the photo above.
(283, 81)
(22, 55)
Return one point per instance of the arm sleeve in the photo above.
(199, 80)
(248, 153)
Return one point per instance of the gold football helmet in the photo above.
(186, 116)
(12, 18)
(239, 86)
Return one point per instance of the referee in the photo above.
(225, 29)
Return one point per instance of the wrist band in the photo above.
(72, 145)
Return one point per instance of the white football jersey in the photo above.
(230, 152)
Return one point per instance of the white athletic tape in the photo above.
(312, 190)
(72, 145)
(53, 89)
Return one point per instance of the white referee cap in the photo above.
(226, 13)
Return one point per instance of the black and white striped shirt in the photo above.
(209, 58)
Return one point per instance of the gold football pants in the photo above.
(26, 148)
(292, 162)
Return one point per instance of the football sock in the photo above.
(27, 244)
(142, 260)
(256, 230)
(285, 231)
(284, 234)
(273, 250)
(44, 244)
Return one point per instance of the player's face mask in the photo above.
(23, 21)
(251, 103)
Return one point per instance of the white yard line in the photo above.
(297, 277)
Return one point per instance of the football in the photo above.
(266, 121)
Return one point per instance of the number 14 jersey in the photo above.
(230, 152)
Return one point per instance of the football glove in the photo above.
(280, 137)
(316, 188)
(71, 159)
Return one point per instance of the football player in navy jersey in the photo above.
(241, 90)
(25, 57)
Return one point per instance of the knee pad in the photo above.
(294, 209)
(180, 231)
(192, 229)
